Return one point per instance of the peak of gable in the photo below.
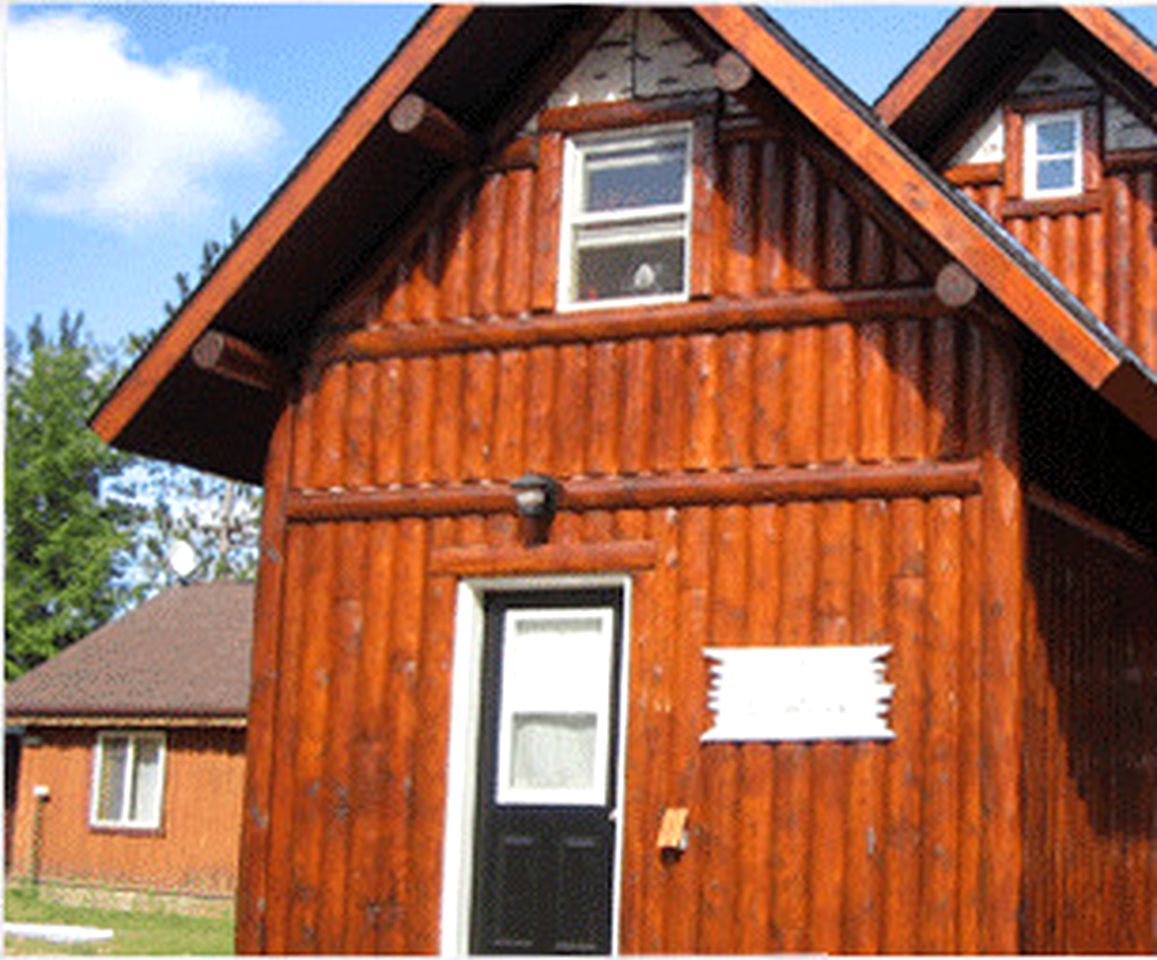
(639, 56)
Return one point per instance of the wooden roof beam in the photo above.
(433, 128)
(233, 359)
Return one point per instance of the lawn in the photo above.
(138, 933)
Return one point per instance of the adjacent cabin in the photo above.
(691, 525)
(132, 759)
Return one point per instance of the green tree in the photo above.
(65, 543)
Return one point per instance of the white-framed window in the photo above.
(626, 218)
(554, 714)
(1052, 154)
(128, 780)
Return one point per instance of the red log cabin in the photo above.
(691, 523)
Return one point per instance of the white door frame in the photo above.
(462, 759)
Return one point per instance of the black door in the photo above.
(545, 830)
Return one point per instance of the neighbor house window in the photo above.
(626, 218)
(1052, 154)
(128, 780)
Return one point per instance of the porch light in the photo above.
(536, 496)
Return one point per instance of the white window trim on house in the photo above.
(151, 818)
(640, 224)
(1033, 159)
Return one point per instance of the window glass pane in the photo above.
(111, 789)
(1055, 174)
(634, 177)
(629, 269)
(1056, 136)
(146, 792)
(553, 751)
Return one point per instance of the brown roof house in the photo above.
(691, 523)
(133, 755)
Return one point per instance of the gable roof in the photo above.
(976, 47)
(182, 654)
(320, 228)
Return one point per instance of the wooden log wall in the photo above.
(1105, 253)
(1090, 738)
(194, 852)
(908, 846)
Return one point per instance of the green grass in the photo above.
(137, 933)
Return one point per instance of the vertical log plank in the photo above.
(638, 390)
(389, 424)
(337, 770)
(1001, 626)
(604, 404)
(268, 663)
(769, 402)
(305, 853)
(547, 210)
(702, 391)
(906, 611)
(370, 873)
(282, 822)
(718, 881)
(477, 413)
(517, 234)
(757, 788)
(832, 625)
(510, 414)
(448, 425)
(941, 761)
(793, 769)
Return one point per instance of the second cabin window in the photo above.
(626, 218)
(1052, 154)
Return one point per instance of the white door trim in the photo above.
(462, 755)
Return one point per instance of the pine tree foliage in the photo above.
(64, 542)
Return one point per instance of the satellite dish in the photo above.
(182, 559)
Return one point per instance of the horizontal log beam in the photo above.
(779, 485)
(115, 720)
(234, 359)
(732, 72)
(625, 324)
(1040, 499)
(432, 127)
(550, 558)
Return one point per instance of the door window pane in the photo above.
(554, 718)
(553, 751)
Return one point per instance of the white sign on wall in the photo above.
(799, 693)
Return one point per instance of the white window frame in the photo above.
(1032, 159)
(509, 706)
(153, 821)
(641, 224)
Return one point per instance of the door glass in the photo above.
(555, 704)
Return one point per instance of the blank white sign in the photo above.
(798, 693)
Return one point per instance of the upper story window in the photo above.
(626, 222)
(128, 780)
(1052, 154)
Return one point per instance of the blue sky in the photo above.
(136, 132)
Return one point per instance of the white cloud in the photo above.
(97, 134)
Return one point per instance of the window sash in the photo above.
(1036, 157)
(128, 781)
(588, 230)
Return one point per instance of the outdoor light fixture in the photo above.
(535, 496)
